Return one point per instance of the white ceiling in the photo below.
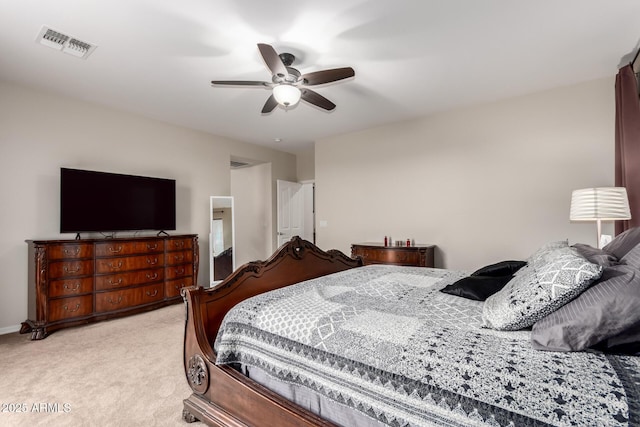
(411, 57)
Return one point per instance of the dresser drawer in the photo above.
(179, 271)
(114, 281)
(61, 269)
(394, 256)
(128, 248)
(122, 264)
(174, 258)
(416, 256)
(70, 251)
(69, 287)
(179, 244)
(126, 298)
(66, 308)
(173, 287)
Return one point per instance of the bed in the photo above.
(337, 343)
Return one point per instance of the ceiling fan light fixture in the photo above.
(286, 81)
(286, 94)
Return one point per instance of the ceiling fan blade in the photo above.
(273, 61)
(238, 83)
(316, 99)
(270, 105)
(328, 76)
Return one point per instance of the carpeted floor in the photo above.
(122, 372)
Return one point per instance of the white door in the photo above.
(290, 210)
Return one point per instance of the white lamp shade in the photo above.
(286, 94)
(603, 203)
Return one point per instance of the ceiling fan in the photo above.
(288, 84)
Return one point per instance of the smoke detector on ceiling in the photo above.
(65, 43)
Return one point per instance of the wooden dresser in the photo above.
(72, 282)
(378, 253)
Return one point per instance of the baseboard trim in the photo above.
(9, 329)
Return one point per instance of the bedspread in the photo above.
(383, 341)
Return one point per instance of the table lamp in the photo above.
(600, 204)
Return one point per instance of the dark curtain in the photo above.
(628, 143)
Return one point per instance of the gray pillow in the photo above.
(550, 280)
(624, 242)
(632, 258)
(595, 255)
(603, 311)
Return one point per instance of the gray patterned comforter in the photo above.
(383, 341)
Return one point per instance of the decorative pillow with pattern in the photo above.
(551, 279)
(546, 250)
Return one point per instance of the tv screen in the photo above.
(101, 201)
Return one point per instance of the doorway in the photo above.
(295, 210)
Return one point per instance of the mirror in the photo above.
(222, 259)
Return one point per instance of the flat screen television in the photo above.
(93, 201)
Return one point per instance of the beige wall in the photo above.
(41, 132)
(252, 195)
(306, 164)
(484, 184)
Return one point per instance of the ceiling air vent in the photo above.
(64, 43)
(236, 164)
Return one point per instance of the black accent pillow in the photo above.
(477, 288)
(502, 268)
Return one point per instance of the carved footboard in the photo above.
(222, 396)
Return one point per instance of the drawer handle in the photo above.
(68, 270)
(72, 310)
(112, 283)
(76, 286)
(115, 302)
(179, 244)
(115, 267)
(155, 292)
(152, 261)
(152, 247)
(74, 252)
(150, 277)
(178, 257)
(115, 251)
(180, 286)
(180, 270)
